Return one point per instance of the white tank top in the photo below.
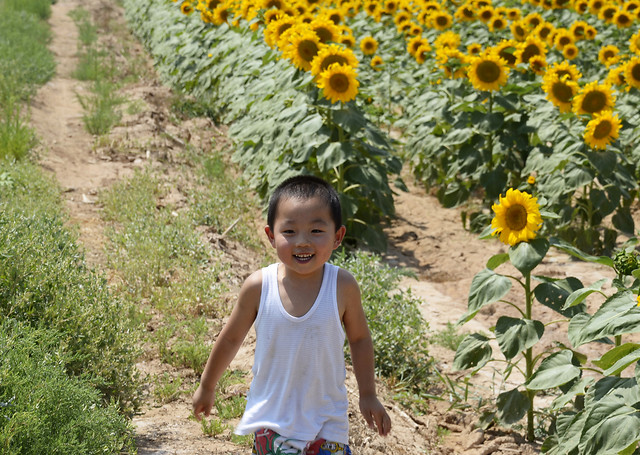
(298, 387)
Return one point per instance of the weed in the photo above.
(101, 107)
(448, 337)
(242, 440)
(229, 378)
(16, 137)
(166, 388)
(87, 32)
(213, 427)
(231, 407)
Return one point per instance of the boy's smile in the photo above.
(304, 234)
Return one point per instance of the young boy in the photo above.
(302, 308)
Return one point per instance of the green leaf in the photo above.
(578, 388)
(623, 221)
(610, 428)
(497, 260)
(525, 256)
(486, 287)
(575, 252)
(618, 315)
(603, 162)
(554, 294)
(332, 155)
(512, 406)
(516, 335)
(615, 354)
(577, 297)
(554, 371)
(622, 363)
(569, 429)
(473, 351)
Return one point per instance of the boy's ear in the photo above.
(270, 236)
(340, 233)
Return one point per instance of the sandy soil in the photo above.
(425, 238)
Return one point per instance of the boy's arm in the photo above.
(361, 346)
(227, 344)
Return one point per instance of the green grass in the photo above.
(25, 64)
(101, 107)
(448, 337)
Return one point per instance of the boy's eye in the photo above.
(317, 231)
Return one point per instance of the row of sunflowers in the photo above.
(487, 95)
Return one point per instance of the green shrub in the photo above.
(42, 409)
(397, 328)
(41, 9)
(45, 283)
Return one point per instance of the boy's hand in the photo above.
(203, 401)
(375, 414)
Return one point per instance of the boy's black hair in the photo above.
(305, 187)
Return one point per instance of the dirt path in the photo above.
(425, 238)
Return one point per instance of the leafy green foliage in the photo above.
(43, 409)
(45, 283)
(396, 326)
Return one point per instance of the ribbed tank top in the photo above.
(298, 387)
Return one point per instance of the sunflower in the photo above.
(441, 20)
(519, 29)
(593, 98)
(414, 43)
(338, 83)
(348, 40)
(465, 12)
(530, 47)
(601, 130)
(303, 45)
(560, 91)
(422, 53)
(562, 37)
(608, 55)
(533, 20)
(595, 6)
(448, 39)
(623, 19)
(579, 30)
(564, 68)
(591, 32)
(474, 49)
(325, 29)
(401, 17)
(368, 45)
(330, 54)
(377, 62)
(390, 7)
(486, 13)
(632, 5)
(415, 29)
(513, 14)
(222, 13)
(634, 43)
(544, 32)
(186, 7)
(506, 51)
(581, 6)
(570, 51)
(632, 72)
(531, 180)
(488, 72)
(335, 15)
(273, 32)
(271, 15)
(517, 217)
(538, 64)
(616, 76)
(497, 23)
(607, 12)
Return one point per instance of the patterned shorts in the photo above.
(268, 442)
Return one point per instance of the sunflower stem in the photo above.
(529, 358)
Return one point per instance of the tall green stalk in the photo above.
(529, 357)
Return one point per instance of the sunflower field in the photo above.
(481, 95)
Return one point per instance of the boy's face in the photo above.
(304, 234)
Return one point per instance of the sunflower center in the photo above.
(564, 40)
(544, 32)
(331, 59)
(516, 217)
(339, 82)
(324, 34)
(442, 21)
(608, 54)
(623, 19)
(529, 52)
(602, 129)
(507, 56)
(594, 102)
(488, 71)
(307, 49)
(562, 92)
(635, 71)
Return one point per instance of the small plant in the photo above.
(101, 107)
(213, 427)
(232, 407)
(448, 337)
(242, 440)
(166, 388)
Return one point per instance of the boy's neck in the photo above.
(299, 292)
